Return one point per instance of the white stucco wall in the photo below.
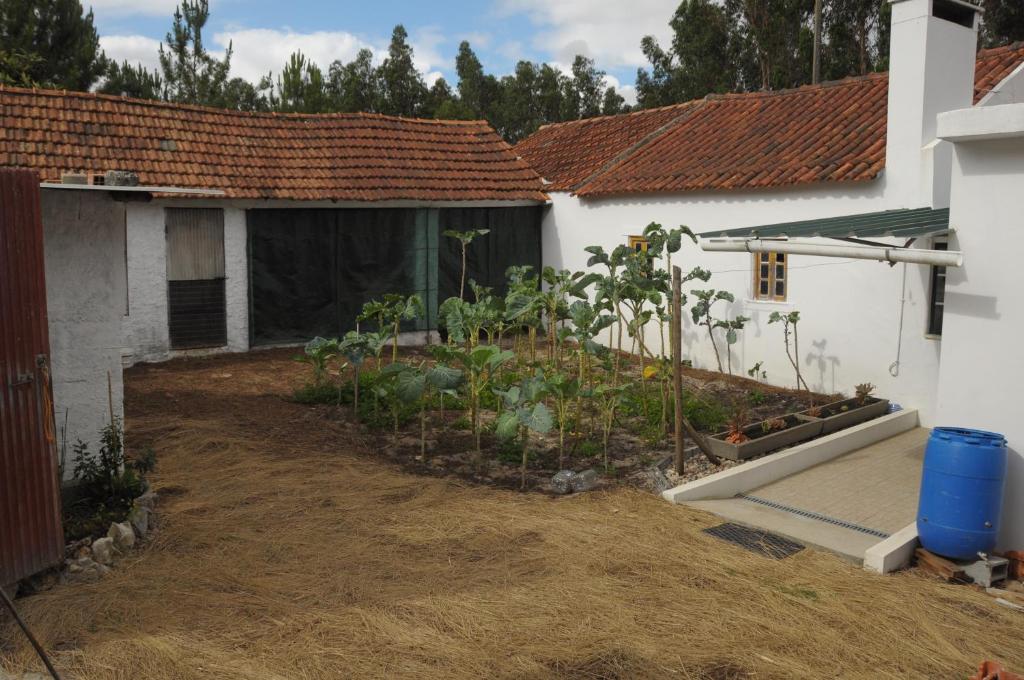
(849, 308)
(84, 240)
(982, 365)
(145, 327)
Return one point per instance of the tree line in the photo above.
(716, 46)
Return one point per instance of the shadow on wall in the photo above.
(975, 306)
(824, 365)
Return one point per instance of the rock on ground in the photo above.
(103, 550)
(123, 536)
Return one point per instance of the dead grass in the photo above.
(283, 553)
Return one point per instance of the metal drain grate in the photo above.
(813, 515)
(755, 540)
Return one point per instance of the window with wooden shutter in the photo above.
(770, 276)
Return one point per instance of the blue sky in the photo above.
(265, 32)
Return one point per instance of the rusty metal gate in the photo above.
(31, 538)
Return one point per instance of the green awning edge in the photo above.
(902, 223)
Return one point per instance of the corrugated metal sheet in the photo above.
(31, 538)
(195, 244)
(902, 223)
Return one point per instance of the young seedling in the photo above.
(318, 353)
(608, 398)
(701, 312)
(399, 308)
(417, 385)
(732, 328)
(524, 412)
(863, 392)
(465, 238)
(565, 390)
(481, 364)
(789, 326)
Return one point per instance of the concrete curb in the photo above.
(741, 478)
(894, 552)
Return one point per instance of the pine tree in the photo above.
(190, 74)
(300, 87)
(132, 81)
(403, 89)
(49, 43)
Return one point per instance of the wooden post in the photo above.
(676, 340)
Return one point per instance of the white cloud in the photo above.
(628, 92)
(609, 34)
(104, 8)
(135, 49)
(258, 51)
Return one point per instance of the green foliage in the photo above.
(49, 43)
(1002, 22)
(701, 313)
(747, 45)
(107, 483)
(192, 75)
(132, 81)
(789, 323)
(301, 87)
(318, 353)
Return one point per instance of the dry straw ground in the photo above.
(286, 551)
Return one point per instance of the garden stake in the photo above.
(28, 633)
(675, 337)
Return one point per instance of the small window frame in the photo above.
(770, 281)
(936, 290)
(638, 243)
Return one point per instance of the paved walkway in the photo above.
(874, 487)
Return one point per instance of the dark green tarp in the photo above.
(311, 270)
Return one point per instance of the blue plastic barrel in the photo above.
(961, 492)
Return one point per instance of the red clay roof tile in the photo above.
(337, 157)
(833, 132)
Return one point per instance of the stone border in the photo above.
(728, 483)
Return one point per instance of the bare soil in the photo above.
(287, 548)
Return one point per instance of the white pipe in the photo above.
(940, 258)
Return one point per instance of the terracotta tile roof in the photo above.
(565, 154)
(834, 132)
(994, 65)
(345, 157)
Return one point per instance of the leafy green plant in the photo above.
(524, 412)
(565, 390)
(701, 312)
(355, 347)
(481, 364)
(107, 483)
(756, 372)
(417, 385)
(609, 291)
(465, 238)
(732, 328)
(789, 323)
(524, 304)
(399, 308)
(318, 354)
(608, 398)
(561, 285)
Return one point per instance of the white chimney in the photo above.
(931, 70)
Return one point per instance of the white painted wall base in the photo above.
(86, 291)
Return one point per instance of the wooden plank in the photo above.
(939, 566)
